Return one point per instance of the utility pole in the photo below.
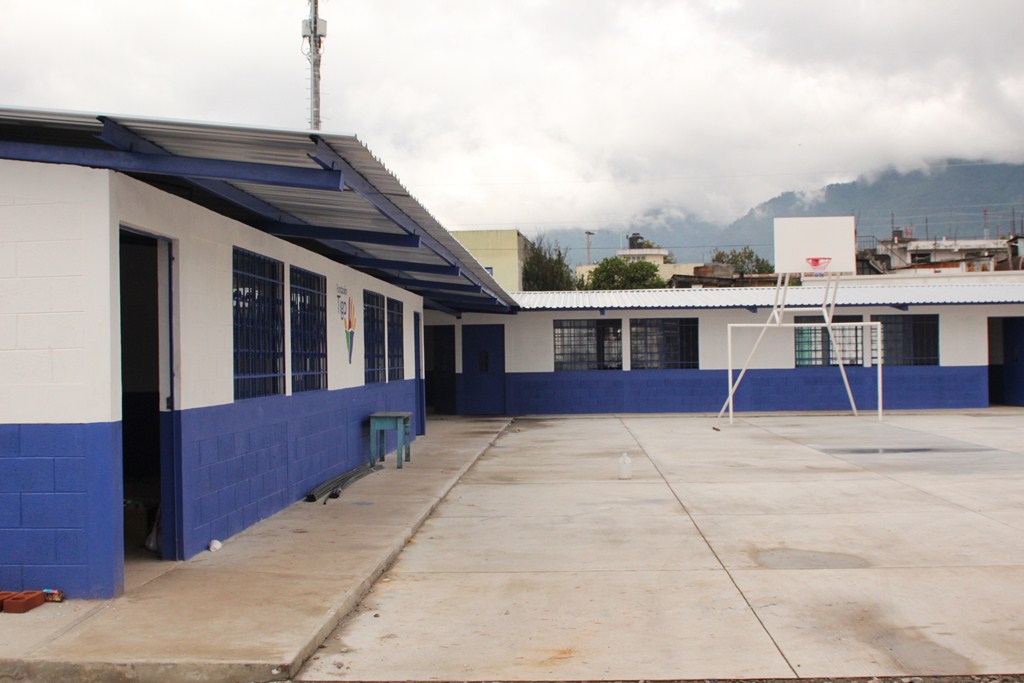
(314, 30)
(589, 234)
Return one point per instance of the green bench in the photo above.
(380, 425)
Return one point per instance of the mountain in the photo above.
(949, 199)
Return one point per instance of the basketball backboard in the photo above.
(815, 244)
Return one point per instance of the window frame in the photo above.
(587, 344)
(308, 301)
(909, 338)
(395, 315)
(813, 349)
(374, 338)
(664, 343)
(258, 347)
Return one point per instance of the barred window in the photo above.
(588, 344)
(663, 343)
(309, 330)
(813, 347)
(909, 339)
(373, 337)
(258, 321)
(396, 341)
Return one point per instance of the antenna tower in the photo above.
(314, 30)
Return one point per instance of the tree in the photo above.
(545, 268)
(744, 261)
(618, 273)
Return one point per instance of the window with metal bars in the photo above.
(909, 339)
(813, 347)
(396, 342)
(309, 330)
(588, 344)
(258, 316)
(663, 343)
(374, 354)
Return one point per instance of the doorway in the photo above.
(1006, 361)
(439, 362)
(421, 399)
(482, 391)
(148, 446)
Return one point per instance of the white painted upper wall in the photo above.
(56, 328)
(203, 244)
(529, 336)
(60, 294)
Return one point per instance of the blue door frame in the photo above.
(421, 396)
(481, 390)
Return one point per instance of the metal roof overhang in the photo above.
(327, 193)
(895, 295)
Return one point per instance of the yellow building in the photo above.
(501, 252)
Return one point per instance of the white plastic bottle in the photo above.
(625, 467)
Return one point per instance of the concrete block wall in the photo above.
(57, 526)
(61, 486)
(60, 442)
(772, 383)
(244, 461)
(705, 391)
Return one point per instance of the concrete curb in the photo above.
(352, 598)
(200, 671)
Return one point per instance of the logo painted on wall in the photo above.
(348, 316)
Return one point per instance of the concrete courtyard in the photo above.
(776, 547)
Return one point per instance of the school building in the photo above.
(197, 320)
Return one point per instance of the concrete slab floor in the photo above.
(779, 546)
(256, 609)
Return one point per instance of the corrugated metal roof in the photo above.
(895, 294)
(77, 138)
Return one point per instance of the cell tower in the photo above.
(314, 30)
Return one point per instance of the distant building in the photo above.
(637, 251)
(902, 252)
(720, 275)
(501, 252)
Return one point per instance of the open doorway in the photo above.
(146, 402)
(1006, 361)
(439, 362)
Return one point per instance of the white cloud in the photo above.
(549, 113)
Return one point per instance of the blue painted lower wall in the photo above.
(244, 461)
(61, 508)
(813, 388)
(61, 485)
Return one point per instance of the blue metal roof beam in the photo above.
(118, 136)
(329, 159)
(461, 299)
(432, 285)
(409, 266)
(344, 234)
(171, 165)
(434, 306)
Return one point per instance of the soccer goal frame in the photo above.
(871, 335)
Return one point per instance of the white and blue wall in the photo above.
(773, 383)
(225, 464)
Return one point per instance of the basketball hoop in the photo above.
(818, 264)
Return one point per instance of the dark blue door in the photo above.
(1013, 361)
(421, 400)
(482, 390)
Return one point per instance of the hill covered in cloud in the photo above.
(946, 199)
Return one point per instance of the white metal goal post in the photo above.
(872, 342)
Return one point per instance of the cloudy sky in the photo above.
(544, 114)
